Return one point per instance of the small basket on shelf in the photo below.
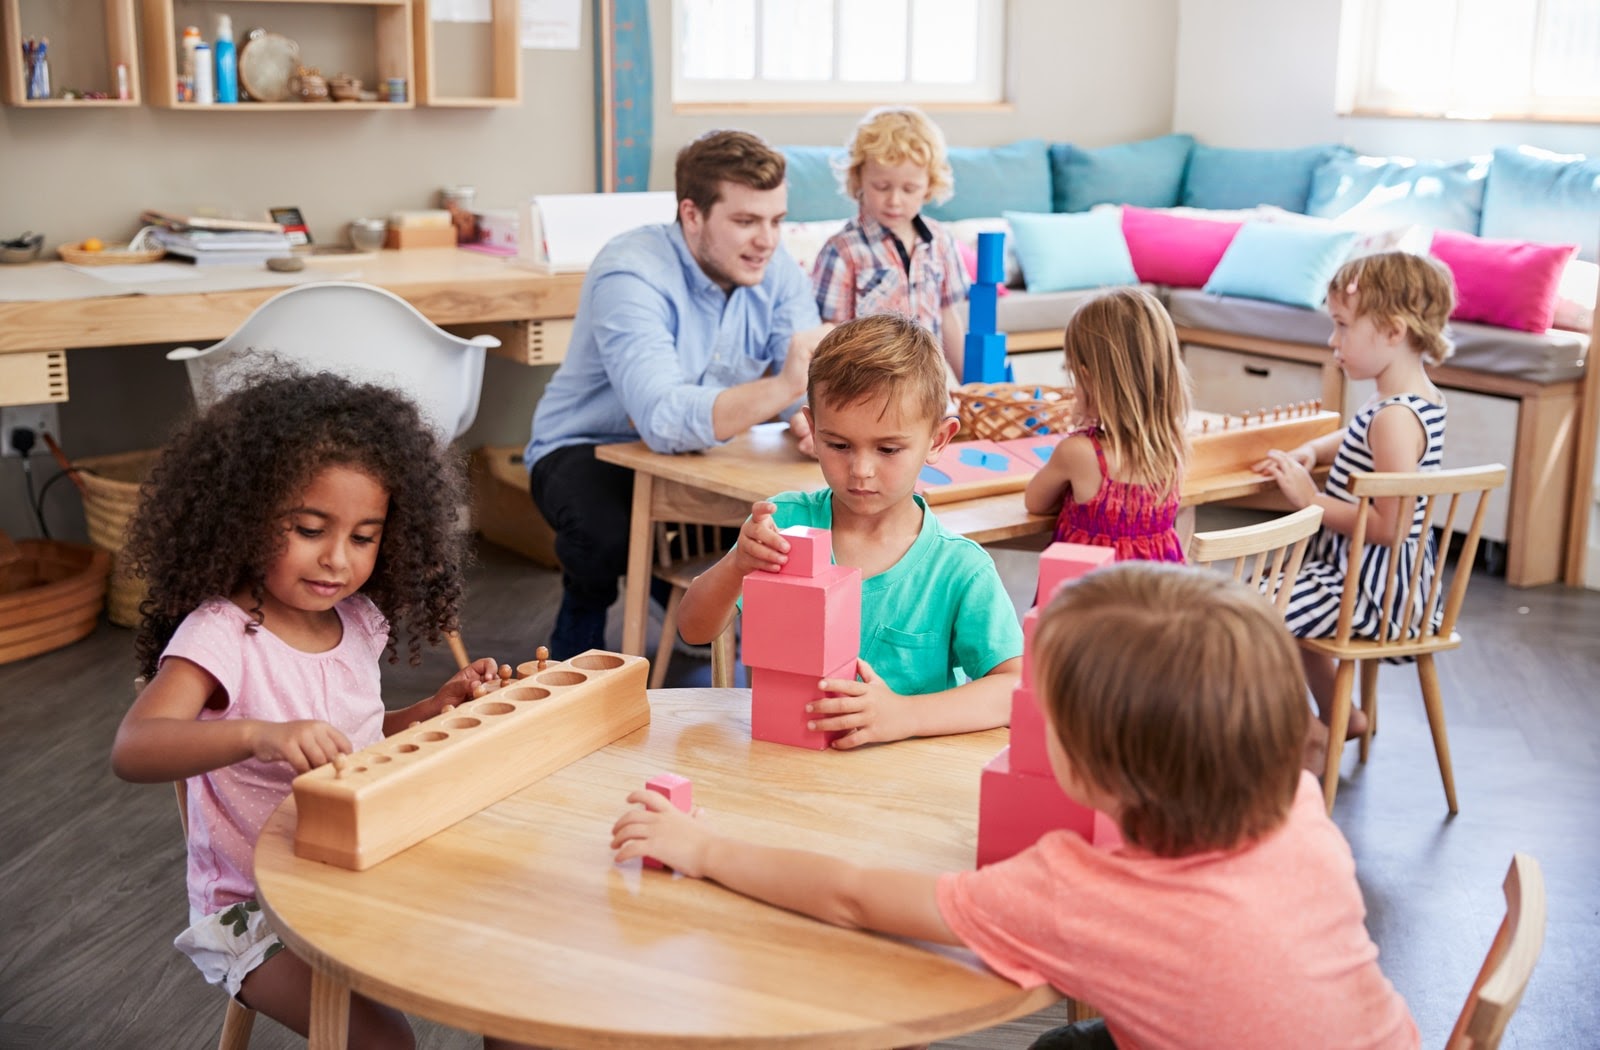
(142, 249)
(1003, 411)
(110, 488)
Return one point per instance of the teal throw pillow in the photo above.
(1279, 263)
(995, 179)
(1148, 174)
(815, 192)
(1551, 198)
(1368, 192)
(1064, 252)
(1245, 178)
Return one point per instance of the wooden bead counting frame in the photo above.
(369, 806)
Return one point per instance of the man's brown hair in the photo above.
(726, 156)
(882, 355)
(1179, 692)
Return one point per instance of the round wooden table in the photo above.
(517, 923)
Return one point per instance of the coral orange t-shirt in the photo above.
(1260, 947)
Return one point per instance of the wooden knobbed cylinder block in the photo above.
(1213, 451)
(420, 781)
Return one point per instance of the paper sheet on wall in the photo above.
(551, 25)
(460, 11)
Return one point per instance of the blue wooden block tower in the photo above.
(985, 358)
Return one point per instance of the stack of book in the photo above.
(207, 241)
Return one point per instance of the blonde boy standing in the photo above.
(889, 258)
(931, 601)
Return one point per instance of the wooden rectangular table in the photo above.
(517, 923)
(717, 486)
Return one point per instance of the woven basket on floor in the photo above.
(110, 487)
(1002, 411)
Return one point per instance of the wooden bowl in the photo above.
(110, 255)
(51, 594)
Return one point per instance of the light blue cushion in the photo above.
(995, 179)
(1551, 198)
(1280, 263)
(1244, 178)
(1148, 173)
(1397, 191)
(1063, 252)
(815, 192)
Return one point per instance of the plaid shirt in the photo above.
(863, 270)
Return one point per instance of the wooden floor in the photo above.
(91, 869)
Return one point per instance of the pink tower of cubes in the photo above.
(1019, 799)
(801, 624)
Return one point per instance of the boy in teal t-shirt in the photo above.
(931, 601)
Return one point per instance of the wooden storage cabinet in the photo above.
(501, 60)
(1235, 382)
(20, 19)
(388, 23)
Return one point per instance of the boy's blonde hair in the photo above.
(882, 355)
(725, 156)
(1414, 291)
(1179, 692)
(1122, 349)
(894, 135)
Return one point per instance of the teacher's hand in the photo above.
(805, 439)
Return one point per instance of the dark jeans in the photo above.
(1081, 1035)
(589, 504)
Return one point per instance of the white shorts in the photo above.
(228, 944)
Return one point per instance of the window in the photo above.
(1471, 59)
(837, 51)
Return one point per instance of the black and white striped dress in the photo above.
(1314, 605)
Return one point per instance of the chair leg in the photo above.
(1339, 720)
(458, 649)
(1429, 676)
(236, 1025)
(1369, 705)
(669, 631)
(722, 657)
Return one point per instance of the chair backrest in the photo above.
(1431, 610)
(1498, 989)
(358, 331)
(678, 542)
(1265, 556)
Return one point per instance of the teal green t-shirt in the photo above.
(940, 608)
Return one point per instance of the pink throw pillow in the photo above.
(1512, 284)
(1171, 249)
(969, 258)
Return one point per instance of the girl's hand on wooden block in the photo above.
(1294, 480)
(654, 827)
(459, 689)
(867, 712)
(305, 745)
(761, 545)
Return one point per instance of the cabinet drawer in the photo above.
(1482, 429)
(1237, 382)
(1046, 367)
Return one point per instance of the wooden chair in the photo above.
(1265, 556)
(364, 333)
(1442, 602)
(239, 1019)
(683, 551)
(1498, 989)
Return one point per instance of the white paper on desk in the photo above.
(139, 273)
(566, 230)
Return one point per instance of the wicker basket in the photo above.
(1002, 411)
(110, 495)
(110, 255)
(50, 595)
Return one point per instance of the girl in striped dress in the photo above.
(1389, 313)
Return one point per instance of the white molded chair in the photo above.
(358, 331)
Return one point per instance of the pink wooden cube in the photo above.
(1028, 730)
(778, 705)
(810, 551)
(679, 791)
(1030, 624)
(1062, 562)
(1015, 809)
(806, 625)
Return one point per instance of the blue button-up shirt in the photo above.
(655, 341)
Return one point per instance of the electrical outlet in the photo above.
(37, 418)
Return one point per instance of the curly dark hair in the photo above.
(210, 517)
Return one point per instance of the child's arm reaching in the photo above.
(161, 738)
(902, 903)
(869, 712)
(709, 603)
(1072, 465)
(953, 334)
(455, 692)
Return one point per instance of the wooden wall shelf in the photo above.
(505, 59)
(121, 49)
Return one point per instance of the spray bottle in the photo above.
(227, 61)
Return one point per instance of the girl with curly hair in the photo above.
(287, 535)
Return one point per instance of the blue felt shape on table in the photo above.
(933, 476)
(981, 460)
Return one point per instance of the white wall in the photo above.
(1260, 73)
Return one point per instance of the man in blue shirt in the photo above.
(686, 335)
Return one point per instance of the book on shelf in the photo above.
(175, 221)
